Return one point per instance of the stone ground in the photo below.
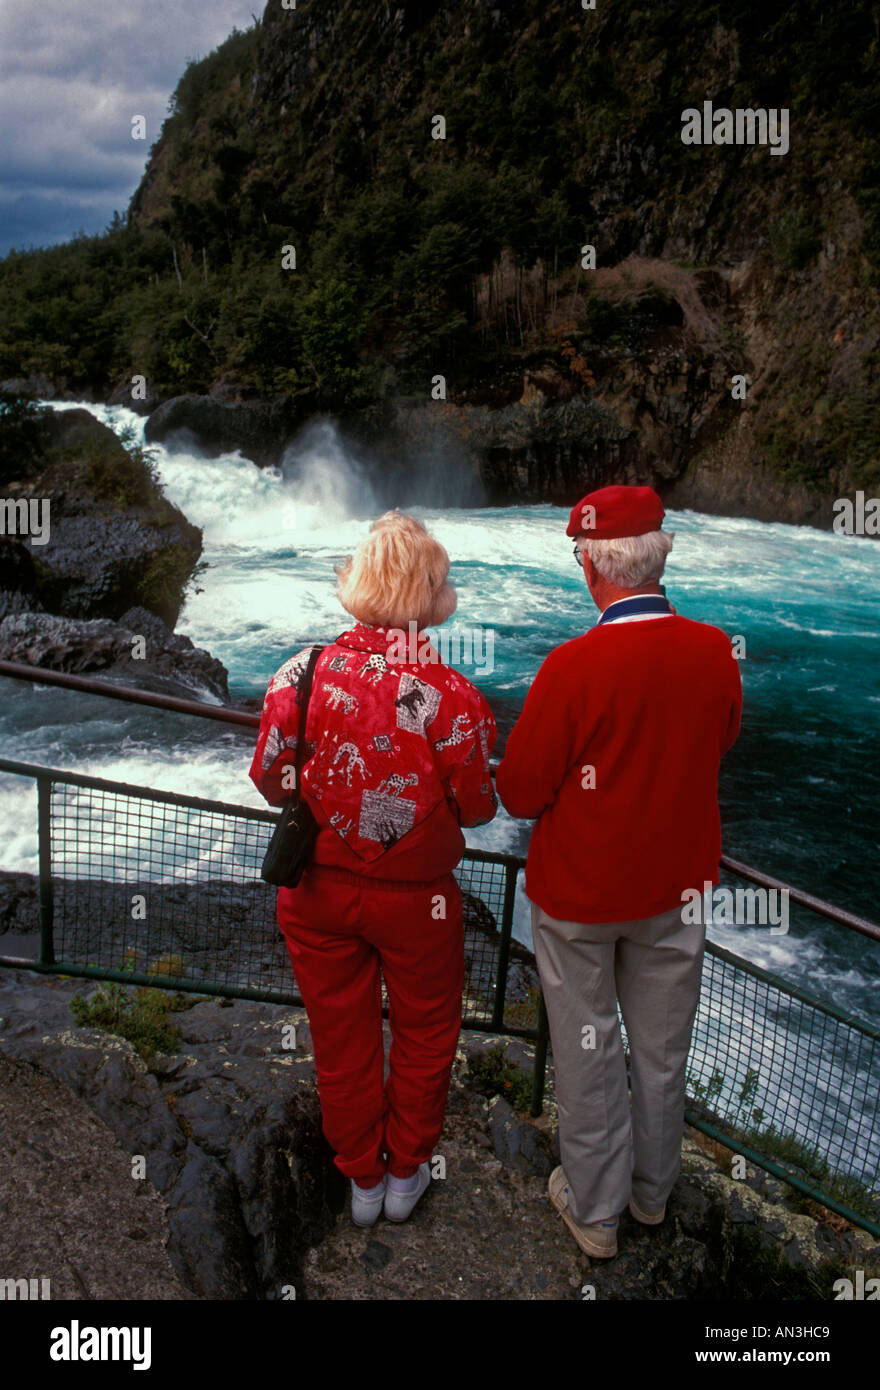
(241, 1200)
(57, 1157)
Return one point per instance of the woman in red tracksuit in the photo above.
(397, 761)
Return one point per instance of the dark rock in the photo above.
(114, 540)
(171, 663)
(722, 482)
(12, 603)
(518, 1142)
(16, 566)
(19, 903)
(17, 577)
(260, 429)
(121, 394)
(209, 1245)
(376, 1255)
(101, 565)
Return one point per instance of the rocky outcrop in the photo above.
(260, 429)
(113, 541)
(138, 650)
(18, 578)
(53, 1229)
(93, 578)
(229, 1128)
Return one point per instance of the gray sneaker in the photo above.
(366, 1204)
(398, 1205)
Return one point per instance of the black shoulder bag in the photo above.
(293, 840)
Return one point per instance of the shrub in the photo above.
(141, 1017)
(493, 1075)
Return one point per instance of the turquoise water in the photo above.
(800, 791)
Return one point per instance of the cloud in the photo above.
(71, 79)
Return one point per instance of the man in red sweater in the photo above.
(615, 756)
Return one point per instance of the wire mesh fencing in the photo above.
(160, 889)
(169, 889)
(790, 1077)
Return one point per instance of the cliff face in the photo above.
(712, 262)
(461, 257)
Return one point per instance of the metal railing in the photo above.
(154, 888)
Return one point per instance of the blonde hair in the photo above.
(630, 560)
(397, 575)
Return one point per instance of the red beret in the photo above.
(612, 512)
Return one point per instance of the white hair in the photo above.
(629, 561)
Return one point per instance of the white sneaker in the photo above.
(402, 1194)
(366, 1203)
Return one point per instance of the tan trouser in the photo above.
(654, 967)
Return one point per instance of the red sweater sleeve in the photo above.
(542, 745)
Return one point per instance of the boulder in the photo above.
(170, 663)
(113, 540)
(260, 429)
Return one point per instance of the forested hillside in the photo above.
(461, 255)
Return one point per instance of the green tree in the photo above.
(23, 435)
(332, 323)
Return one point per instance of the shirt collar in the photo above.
(638, 606)
(364, 637)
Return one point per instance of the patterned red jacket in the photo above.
(397, 755)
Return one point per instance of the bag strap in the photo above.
(305, 693)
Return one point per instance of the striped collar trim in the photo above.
(639, 606)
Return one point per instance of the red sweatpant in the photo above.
(340, 928)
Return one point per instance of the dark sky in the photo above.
(73, 73)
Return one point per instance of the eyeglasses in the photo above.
(579, 556)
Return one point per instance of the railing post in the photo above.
(510, 873)
(47, 897)
(540, 1057)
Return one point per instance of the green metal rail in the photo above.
(108, 850)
